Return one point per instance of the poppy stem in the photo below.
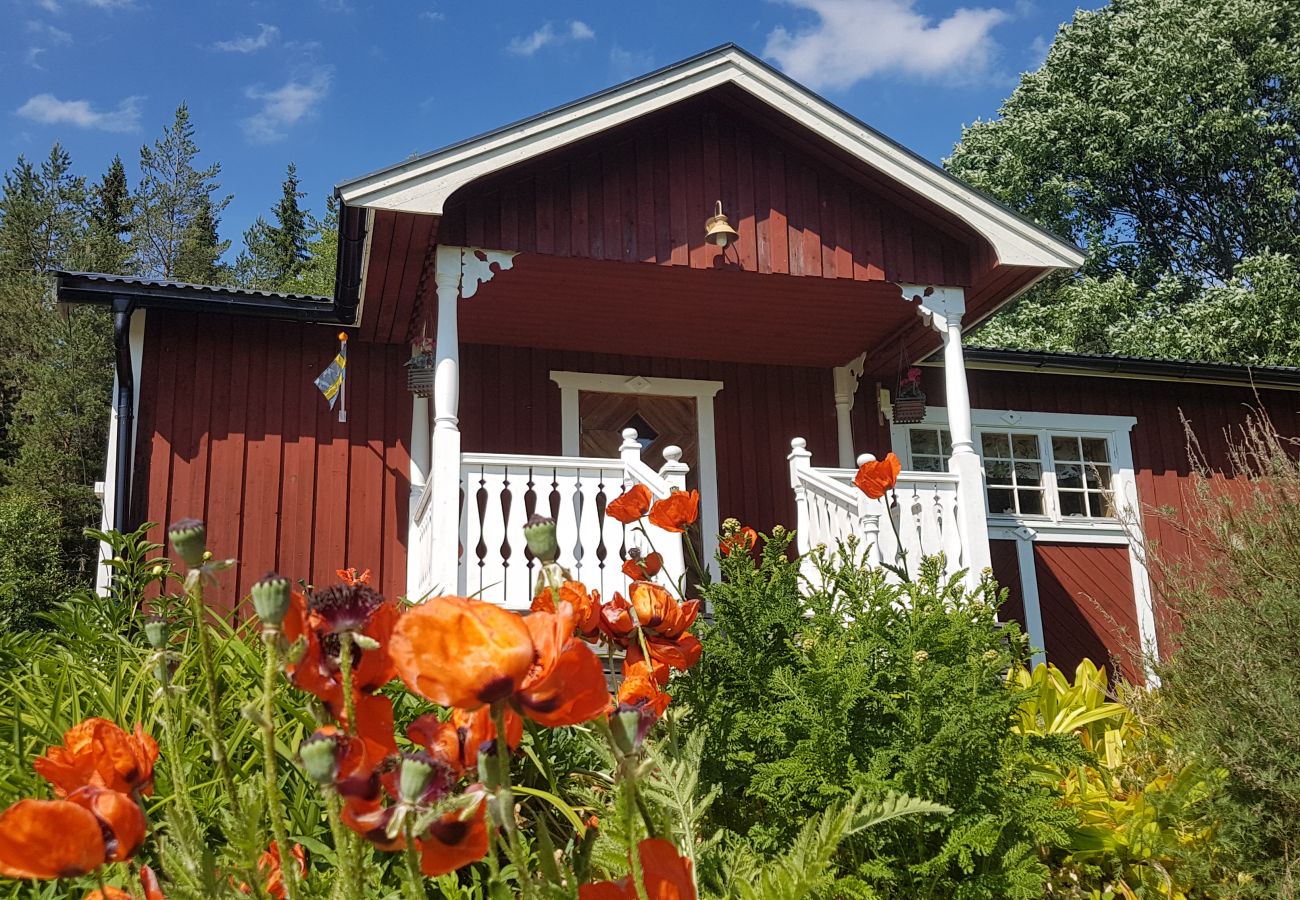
(505, 800)
(344, 850)
(414, 877)
(898, 536)
(345, 671)
(274, 808)
(99, 879)
(207, 661)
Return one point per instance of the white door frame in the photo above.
(702, 392)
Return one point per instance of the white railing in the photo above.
(499, 492)
(921, 519)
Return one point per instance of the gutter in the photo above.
(123, 308)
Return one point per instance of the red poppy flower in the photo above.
(741, 542)
(49, 839)
(642, 568)
(466, 653)
(640, 688)
(149, 881)
(665, 873)
(120, 820)
(586, 607)
(452, 842)
(634, 659)
(631, 505)
(268, 865)
(457, 740)
(677, 511)
(97, 752)
(663, 623)
(877, 476)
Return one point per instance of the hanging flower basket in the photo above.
(419, 375)
(909, 404)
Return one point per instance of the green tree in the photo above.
(176, 217)
(276, 255)
(1162, 135)
(319, 271)
(110, 221)
(42, 215)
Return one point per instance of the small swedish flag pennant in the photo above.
(333, 381)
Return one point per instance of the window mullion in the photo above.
(1051, 499)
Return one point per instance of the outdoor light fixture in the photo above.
(717, 230)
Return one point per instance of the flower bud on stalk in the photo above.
(271, 599)
(155, 630)
(539, 533)
(415, 777)
(320, 757)
(189, 538)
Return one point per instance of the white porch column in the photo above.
(942, 309)
(416, 551)
(846, 387)
(444, 471)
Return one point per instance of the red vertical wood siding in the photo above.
(641, 193)
(1085, 593)
(510, 405)
(232, 430)
(1005, 562)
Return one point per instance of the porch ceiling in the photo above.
(721, 314)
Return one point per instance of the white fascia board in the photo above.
(423, 185)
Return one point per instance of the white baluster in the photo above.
(471, 570)
(588, 525)
(516, 587)
(494, 535)
(611, 535)
(566, 519)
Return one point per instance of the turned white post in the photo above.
(629, 451)
(420, 453)
(869, 514)
(674, 470)
(943, 308)
(846, 387)
(444, 474)
(800, 460)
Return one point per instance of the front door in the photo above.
(659, 422)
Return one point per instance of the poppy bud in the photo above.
(155, 629)
(539, 532)
(320, 757)
(416, 776)
(625, 726)
(189, 539)
(271, 599)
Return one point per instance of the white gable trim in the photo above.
(424, 184)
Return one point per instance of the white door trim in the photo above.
(702, 392)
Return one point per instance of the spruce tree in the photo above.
(171, 196)
(110, 221)
(276, 255)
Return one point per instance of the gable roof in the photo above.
(424, 183)
(96, 287)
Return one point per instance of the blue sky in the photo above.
(342, 87)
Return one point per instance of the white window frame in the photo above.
(1124, 529)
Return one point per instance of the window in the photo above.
(1053, 466)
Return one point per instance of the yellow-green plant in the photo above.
(1143, 830)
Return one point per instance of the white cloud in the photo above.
(250, 43)
(285, 107)
(49, 33)
(527, 45)
(110, 4)
(433, 15)
(50, 110)
(856, 39)
(629, 63)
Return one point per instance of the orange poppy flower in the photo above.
(457, 740)
(120, 819)
(631, 505)
(586, 607)
(108, 893)
(642, 568)
(663, 623)
(97, 752)
(466, 653)
(634, 659)
(49, 839)
(268, 864)
(741, 542)
(876, 477)
(149, 881)
(640, 687)
(677, 511)
(452, 842)
(666, 874)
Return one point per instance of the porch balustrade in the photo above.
(919, 517)
(499, 492)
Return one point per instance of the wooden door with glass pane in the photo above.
(659, 422)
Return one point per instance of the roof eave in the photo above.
(96, 288)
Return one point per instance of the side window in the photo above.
(1083, 476)
(1013, 467)
(929, 449)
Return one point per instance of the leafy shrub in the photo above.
(808, 693)
(1229, 691)
(31, 576)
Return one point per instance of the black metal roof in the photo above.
(96, 287)
(1106, 364)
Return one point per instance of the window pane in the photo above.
(1029, 473)
(1001, 502)
(997, 472)
(945, 443)
(1072, 504)
(925, 440)
(1025, 446)
(1065, 448)
(1098, 475)
(928, 464)
(996, 445)
(1100, 505)
(1031, 502)
(1069, 475)
(1096, 450)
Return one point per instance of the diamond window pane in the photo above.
(925, 440)
(1096, 450)
(645, 434)
(1065, 449)
(996, 445)
(1025, 446)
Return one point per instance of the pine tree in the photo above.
(171, 195)
(41, 215)
(110, 221)
(198, 258)
(319, 273)
(276, 255)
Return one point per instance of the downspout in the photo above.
(123, 307)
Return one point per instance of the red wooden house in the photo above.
(587, 330)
